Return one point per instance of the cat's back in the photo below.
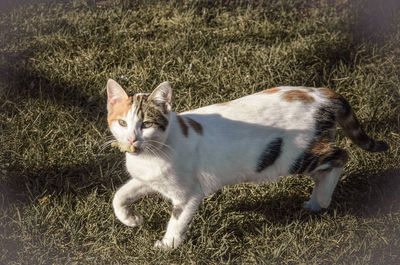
(282, 107)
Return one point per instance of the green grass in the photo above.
(56, 184)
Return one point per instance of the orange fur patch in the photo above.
(294, 95)
(120, 110)
(223, 103)
(321, 147)
(329, 93)
(271, 90)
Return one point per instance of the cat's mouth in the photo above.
(126, 148)
(133, 150)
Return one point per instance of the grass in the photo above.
(56, 184)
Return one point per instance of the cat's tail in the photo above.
(352, 128)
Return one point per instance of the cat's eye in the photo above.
(122, 123)
(147, 124)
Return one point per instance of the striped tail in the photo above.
(352, 128)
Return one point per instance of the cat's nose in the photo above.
(131, 140)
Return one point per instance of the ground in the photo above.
(57, 180)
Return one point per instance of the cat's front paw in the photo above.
(128, 217)
(132, 220)
(311, 206)
(167, 243)
(161, 245)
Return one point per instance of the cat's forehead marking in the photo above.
(298, 95)
(139, 102)
(147, 110)
(120, 110)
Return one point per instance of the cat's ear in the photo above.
(115, 94)
(162, 95)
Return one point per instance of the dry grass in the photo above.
(56, 184)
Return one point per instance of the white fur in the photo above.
(187, 169)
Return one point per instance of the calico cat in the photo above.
(188, 156)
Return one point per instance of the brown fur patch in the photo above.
(271, 90)
(119, 111)
(196, 126)
(299, 95)
(321, 147)
(183, 126)
(329, 93)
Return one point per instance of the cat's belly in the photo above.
(211, 182)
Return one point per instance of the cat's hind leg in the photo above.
(326, 176)
(124, 197)
(312, 203)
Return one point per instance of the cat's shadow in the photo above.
(22, 186)
(359, 194)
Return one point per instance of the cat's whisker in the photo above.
(151, 150)
(158, 151)
(163, 144)
(147, 148)
(105, 145)
(166, 156)
(108, 137)
(160, 148)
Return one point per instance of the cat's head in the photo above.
(142, 119)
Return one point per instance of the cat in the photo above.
(187, 156)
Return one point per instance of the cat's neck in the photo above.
(173, 128)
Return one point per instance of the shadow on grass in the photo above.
(24, 83)
(360, 194)
(374, 20)
(8, 5)
(19, 184)
(23, 186)
(369, 194)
